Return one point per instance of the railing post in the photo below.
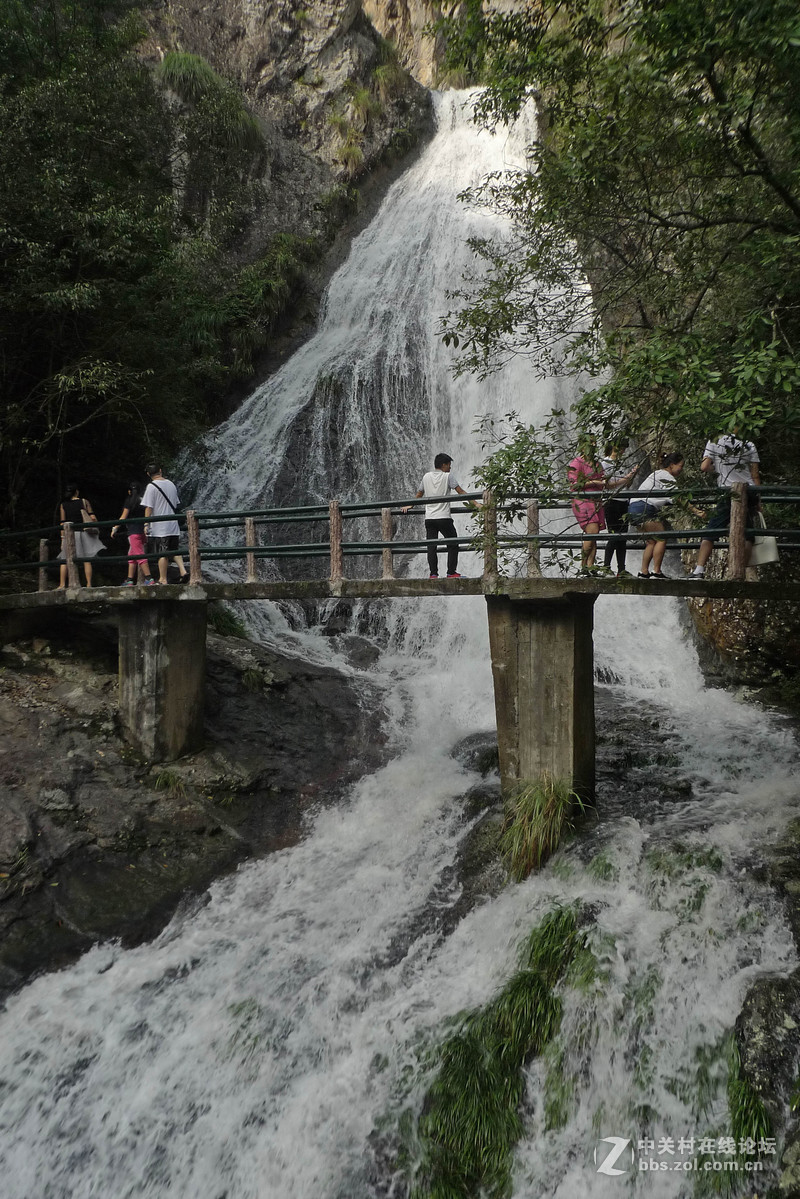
(193, 533)
(737, 544)
(251, 541)
(337, 559)
(44, 554)
(386, 535)
(489, 536)
(534, 548)
(69, 552)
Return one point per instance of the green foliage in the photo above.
(351, 156)
(188, 75)
(666, 172)
(559, 1089)
(537, 817)
(602, 868)
(748, 1121)
(470, 1119)
(363, 104)
(390, 80)
(340, 123)
(678, 859)
(170, 781)
(123, 319)
(225, 622)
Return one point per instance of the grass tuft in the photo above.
(170, 781)
(351, 156)
(225, 622)
(390, 80)
(749, 1122)
(188, 75)
(470, 1118)
(538, 814)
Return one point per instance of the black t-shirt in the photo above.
(72, 511)
(135, 520)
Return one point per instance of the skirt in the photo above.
(86, 545)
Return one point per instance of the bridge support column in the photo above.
(162, 676)
(543, 669)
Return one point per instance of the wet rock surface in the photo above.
(96, 843)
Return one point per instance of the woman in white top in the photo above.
(647, 512)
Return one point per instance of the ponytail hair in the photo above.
(670, 460)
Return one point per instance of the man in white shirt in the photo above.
(161, 499)
(438, 483)
(734, 461)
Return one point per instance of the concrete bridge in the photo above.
(540, 637)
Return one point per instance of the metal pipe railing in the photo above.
(492, 538)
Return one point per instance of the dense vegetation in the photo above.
(123, 319)
(666, 170)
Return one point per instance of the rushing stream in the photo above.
(263, 1046)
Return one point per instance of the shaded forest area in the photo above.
(124, 317)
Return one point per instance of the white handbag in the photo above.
(765, 549)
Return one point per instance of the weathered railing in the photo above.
(491, 539)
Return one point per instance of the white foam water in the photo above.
(252, 1049)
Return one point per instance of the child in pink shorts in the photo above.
(133, 516)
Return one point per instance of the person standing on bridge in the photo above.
(87, 538)
(161, 499)
(585, 474)
(437, 484)
(132, 517)
(616, 510)
(734, 461)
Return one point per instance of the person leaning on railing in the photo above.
(646, 512)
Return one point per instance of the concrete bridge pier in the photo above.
(543, 670)
(162, 676)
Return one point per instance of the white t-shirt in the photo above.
(153, 498)
(658, 481)
(438, 482)
(731, 458)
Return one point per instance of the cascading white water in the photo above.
(250, 1051)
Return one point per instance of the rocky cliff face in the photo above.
(404, 22)
(331, 96)
(751, 642)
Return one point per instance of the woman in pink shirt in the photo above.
(585, 474)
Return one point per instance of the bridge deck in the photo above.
(322, 589)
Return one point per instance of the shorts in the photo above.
(137, 547)
(588, 512)
(720, 518)
(163, 545)
(640, 513)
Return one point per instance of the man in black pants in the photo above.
(438, 483)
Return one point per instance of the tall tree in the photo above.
(122, 316)
(666, 173)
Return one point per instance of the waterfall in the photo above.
(260, 1047)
